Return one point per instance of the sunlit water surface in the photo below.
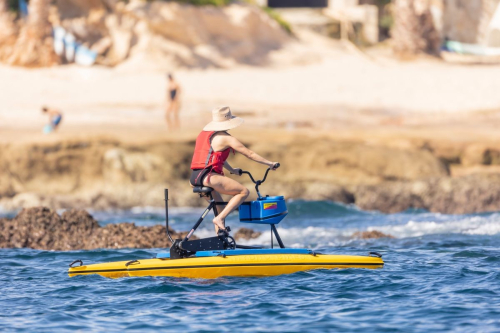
(442, 273)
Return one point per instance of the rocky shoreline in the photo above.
(461, 195)
(107, 174)
(42, 228)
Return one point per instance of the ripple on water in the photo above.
(435, 279)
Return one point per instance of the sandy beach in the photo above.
(338, 95)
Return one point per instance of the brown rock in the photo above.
(461, 195)
(102, 46)
(246, 233)
(8, 30)
(414, 30)
(107, 174)
(213, 38)
(474, 155)
(467, 21)
(120, 29)
(34, 46)
(42, 228)
(371, 234)
(78, 8)
(325, 191)
(121, 165)
(492, 157)
(347, 163)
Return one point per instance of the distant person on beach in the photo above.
(55, 117)
(173, 94)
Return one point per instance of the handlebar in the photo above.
(259, 182)
(275, 166)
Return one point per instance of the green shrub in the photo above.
(13, 5)
(386, 21)
(277, 17)
(217, 3)
(220, 3)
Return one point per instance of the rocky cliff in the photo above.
(102, 174)
(156, 35)
(162, 35)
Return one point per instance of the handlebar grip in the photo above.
(276, 166)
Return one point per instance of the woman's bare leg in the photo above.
(219, 208)
(175, 111)
(168, 114)
(226, 185)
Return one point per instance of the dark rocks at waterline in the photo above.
(450, 195)
(42, 228)
(373, 234)
(246, 234)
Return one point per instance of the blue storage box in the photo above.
(268, 210)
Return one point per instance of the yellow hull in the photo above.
(214, 267)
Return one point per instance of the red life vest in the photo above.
(205, 157)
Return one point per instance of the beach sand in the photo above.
(344, 95)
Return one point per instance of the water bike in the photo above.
(218, 256)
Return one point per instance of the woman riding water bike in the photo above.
(213, 147)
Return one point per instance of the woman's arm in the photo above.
(234, 171)
(240, 148)
(228, 167)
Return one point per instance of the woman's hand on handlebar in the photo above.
(237, 171)
(274, 166)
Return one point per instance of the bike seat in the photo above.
(202, 189)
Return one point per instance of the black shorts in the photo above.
(173, 93)
(197, 176)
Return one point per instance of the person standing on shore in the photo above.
(172, 111)
(55, 117)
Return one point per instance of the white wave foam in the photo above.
(397, 225)
(477, 225)
(315, 236)
(304, 237)
(4, 212)
(489, 229)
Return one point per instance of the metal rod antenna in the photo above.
(166, 216)
(278, 238)
(272, 246)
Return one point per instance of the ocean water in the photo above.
(442, 273)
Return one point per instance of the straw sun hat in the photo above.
(223, 120)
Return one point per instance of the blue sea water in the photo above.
(442, 273)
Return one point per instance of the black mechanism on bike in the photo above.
(183, 248)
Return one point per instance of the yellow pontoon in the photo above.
(214, 264)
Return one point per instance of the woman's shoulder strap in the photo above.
(214, 133)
